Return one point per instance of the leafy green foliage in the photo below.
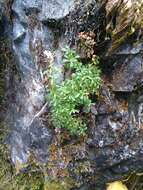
(71, 95)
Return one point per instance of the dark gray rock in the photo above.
(127, 49)
(32, 5)
(128, 76)
(56, 10)
(30, 40)
(38, 143)
(19, 149)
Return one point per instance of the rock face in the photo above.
(113, 146)
(56, 10)
(30, 133)
(123, 80)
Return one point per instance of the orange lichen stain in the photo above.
(58, 161)
(123, 106)
(61, 154)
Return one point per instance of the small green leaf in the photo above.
(73, 93)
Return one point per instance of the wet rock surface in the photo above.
(113, 145)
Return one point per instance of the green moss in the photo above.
(122, 24)
(63, 184)
(119, 39)
(26, 180)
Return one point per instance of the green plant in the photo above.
(68, 98)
